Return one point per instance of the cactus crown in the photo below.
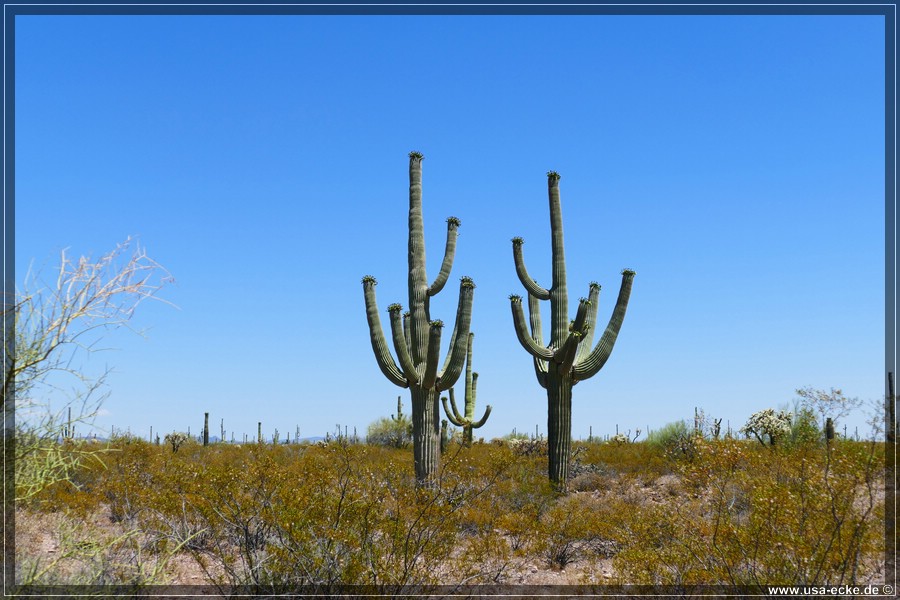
(553, 175)
(583, 331)
(396, 306)
(437, 323)
(453, 221)
(406, 314)
(466, 282)
(627, 272)
(515, 297)
(517, 241)
(369, 279)
(594, 285)
(416, 155)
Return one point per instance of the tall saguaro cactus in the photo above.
(568, 358)
(467, 419)
(416, 337)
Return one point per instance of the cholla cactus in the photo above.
(619, 438)
(568, 358)
(417, 338)
(768, 424)
(176, 440)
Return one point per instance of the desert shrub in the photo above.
(757, 517)
(75, 464)
(390, 433)
(274, 517)
(515, 435)
(85, 556)
(668, 435)
(132, 474)
(527, 446)
(804, 427)
(768, 426)
(340, 514)
(569, 530)
(619, 438)
(612, 459)
(176, 440)
(676, 440)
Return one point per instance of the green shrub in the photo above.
(390, 433)
(805, 428)
(323, 516)
(670, 434)
(758, 516)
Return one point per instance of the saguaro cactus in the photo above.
(568, 358)
(416, 337)
(467, 419)
(206, 429)
(445, 435)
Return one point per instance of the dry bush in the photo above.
(324, 516)
(755, 515)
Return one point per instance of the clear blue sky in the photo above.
(736, 163)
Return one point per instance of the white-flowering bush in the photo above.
(768, 425)
(619, 438)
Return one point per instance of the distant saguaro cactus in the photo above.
(399, 416)
(206, 429)
(467, 419)
(416, 337)
(568, 358)
(445, 435)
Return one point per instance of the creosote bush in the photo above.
(754, 517)
(276, 517)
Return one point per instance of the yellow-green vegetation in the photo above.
(731, 512)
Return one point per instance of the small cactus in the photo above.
(467, 419)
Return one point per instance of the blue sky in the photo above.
(736, 163)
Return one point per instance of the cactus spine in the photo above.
(467, 419)
(568, 358)
(416, 337)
